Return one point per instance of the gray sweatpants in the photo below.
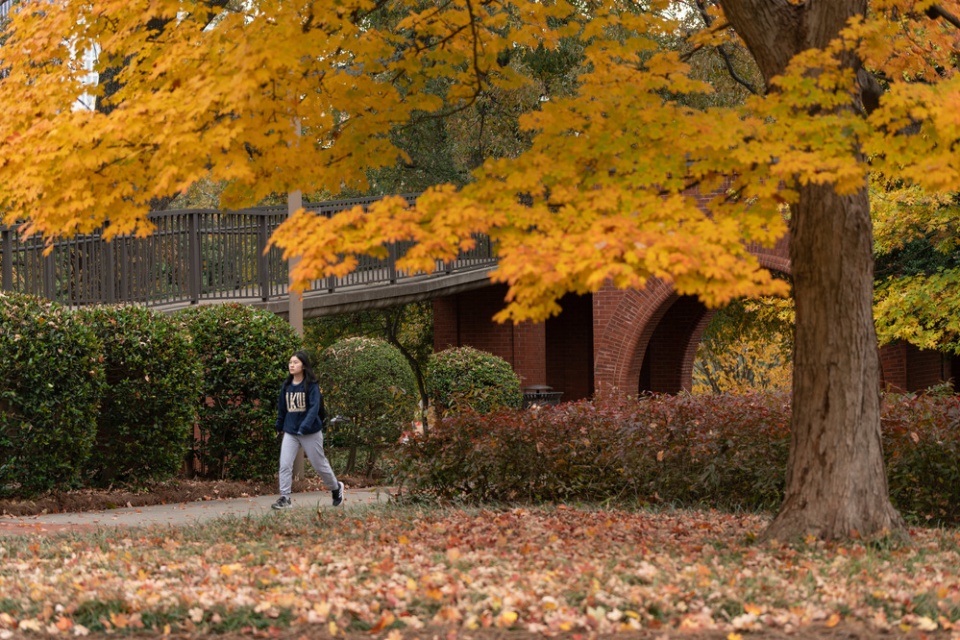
(313, 447)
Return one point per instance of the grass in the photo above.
(541, 569)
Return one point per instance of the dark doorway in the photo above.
(668, 360)
(569, 348)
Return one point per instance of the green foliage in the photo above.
(408, 327)
(920, 256)
(50, 388)
(369, 384)
(466, 378)
(149, 405)
(244, 354)
(722, 451)
(412, 323)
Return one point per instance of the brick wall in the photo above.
(529, 353)
(446, 332)
(905, 368)
(558, 353)
(893, 367)
(623, 323)
(668, 362)
(926, 368)
(466, 319)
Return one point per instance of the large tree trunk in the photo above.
(836, 482)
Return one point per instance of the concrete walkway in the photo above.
(179, 514)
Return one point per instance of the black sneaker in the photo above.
(338, 495)
(283, 502)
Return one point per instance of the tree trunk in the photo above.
(351, 459)
(372, 456)
(836, 482)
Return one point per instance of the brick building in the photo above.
(631, 340)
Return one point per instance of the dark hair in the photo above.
(308, 375)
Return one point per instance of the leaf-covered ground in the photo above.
(408, 572)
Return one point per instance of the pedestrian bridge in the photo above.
(208, 256)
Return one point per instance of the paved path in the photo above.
(178, 514)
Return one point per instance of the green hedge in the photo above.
(369, 384)
(244, 354)
(51, 383)
(726, 451)
(149, 406)
(466, 379)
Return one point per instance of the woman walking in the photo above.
(300, 417)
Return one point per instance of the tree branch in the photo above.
(732, 71)
(870, 90)
(213, 7)
(722, 50)
(937, 12)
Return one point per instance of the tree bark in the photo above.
(836, 482)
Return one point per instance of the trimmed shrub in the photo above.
(50, 387)
(244, 353)
(369, 385)
(724, 451)
(728, 451)
(150, 403)
(464, 378)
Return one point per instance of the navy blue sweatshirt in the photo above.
(300, 409)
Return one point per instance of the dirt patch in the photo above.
(170, 492)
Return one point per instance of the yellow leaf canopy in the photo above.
(628, 178)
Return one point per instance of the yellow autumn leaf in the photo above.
(507, 618)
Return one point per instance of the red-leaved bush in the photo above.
(723, 451)
(921, 444)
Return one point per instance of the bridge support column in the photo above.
(530, 353)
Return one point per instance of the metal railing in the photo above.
(194, 255)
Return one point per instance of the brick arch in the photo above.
(630, 324)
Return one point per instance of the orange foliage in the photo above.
(605, 193)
